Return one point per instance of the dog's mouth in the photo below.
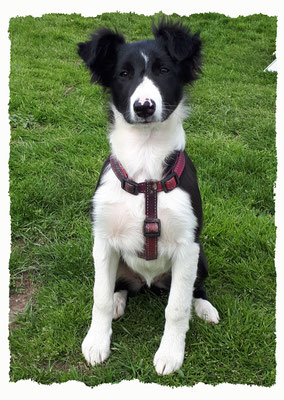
(146, 120)
(136, 120)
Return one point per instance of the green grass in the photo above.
(58, 145)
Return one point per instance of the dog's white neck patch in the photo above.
(142, 148)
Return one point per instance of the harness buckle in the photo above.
(167, 179)
(152, 228)
(130, 186)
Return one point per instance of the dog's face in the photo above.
(145, 78)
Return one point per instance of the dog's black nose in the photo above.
(144, 107)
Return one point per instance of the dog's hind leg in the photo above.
(202, 306)
(128, 283)
(119, 303)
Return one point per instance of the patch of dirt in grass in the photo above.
(19, 297)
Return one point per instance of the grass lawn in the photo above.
(58, 145)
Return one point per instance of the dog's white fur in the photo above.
(118, 216)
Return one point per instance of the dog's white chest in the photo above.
(119, 218)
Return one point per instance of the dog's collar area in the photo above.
(171, 181)
(152, 224)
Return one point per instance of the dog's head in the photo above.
(145, 78)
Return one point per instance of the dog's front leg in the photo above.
(96, 345)
(170, 354)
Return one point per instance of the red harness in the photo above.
(152, 224)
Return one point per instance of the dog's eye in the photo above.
(123, 74)
(164, 70)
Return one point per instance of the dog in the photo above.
(147, 211)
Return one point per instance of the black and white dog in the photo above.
(146, 80)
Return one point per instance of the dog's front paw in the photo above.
(96, 347)
(169, 358)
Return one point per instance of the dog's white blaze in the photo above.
(146, 58)
(147, 89)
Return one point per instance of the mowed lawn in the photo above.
(58, 145)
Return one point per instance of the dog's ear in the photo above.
(100, 54)
(182, 46)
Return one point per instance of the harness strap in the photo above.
(152, 224)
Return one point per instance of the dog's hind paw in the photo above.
(206, 311)
(119, 303)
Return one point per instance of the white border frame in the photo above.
(31, 390)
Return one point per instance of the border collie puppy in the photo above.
(147, 208)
